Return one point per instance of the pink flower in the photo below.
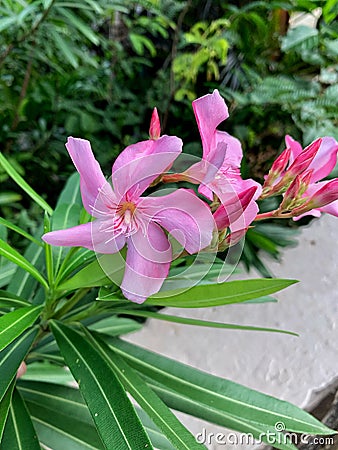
(219, 170)
(323, 195)
(123, 217)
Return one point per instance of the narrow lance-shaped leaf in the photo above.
(14, 256)
(196, 322)
(19, 433)
(19, 230)
(9, 300)
(11, 358)
(102, 391)
(24, 185)
(4, 407)
(16, 322)
(221, 393)
(219, 294)
(161, 415)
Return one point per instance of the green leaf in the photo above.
(7, 198)
(24, 186)
(9, 300)
(10, 253)
(167, 422)
(22, 283)
(217, 400)
(297, 36)
(115, 326)
(19, 432)
(20, 231)
(47, 372)
(219, 294)
(4, 407)
(65, 47)
(94, 275)
(102, 391)
(14, 323)
(11, 358)
(159, 441)
(60, 416)
(46, 400)
(196, 322)
(6, 273)
(79, 25)
(71, 193)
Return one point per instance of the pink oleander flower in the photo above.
(124, 217)
(321, 195)
(219, 170)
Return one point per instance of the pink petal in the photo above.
(210, 110)
(184, 215)
(205, 170)
(325, 159)
(140, 164)
(234, 208)
(234, 153)
(144, 276)
(294, 146)
(88, 235)
(92, 180)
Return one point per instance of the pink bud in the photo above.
(292, 193)
(155, 125)
(21, 370)
(327, 194)
(278, 167)
(304, 159)
(233, 208)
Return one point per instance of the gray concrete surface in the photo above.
(291, 368)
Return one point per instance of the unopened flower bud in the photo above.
(278, 167)
(155, 125)
(304, 159)
(327, 194)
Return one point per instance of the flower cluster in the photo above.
(212, 218)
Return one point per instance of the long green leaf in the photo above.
(167, 422)
(19, 432)
(23, 283)
(10, 253)
(4, 407)
(115, 326)
(9, 300)
(25, 186)
(223, 395)
(19, 230)
(6, 273)
(11, 358)
(102, 391)
(60, 416)
(219, 294)
(14, 323)
(46, 400)
(196, 322)
(93, 274)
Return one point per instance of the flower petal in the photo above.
(92, 180)
(294, 146)
(144, 276)
(210, 110)
(325, 159)
(88, 235)
(140, 164)
(184, 215)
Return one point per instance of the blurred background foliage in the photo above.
(96, 68)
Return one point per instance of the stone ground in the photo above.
(297, 369)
